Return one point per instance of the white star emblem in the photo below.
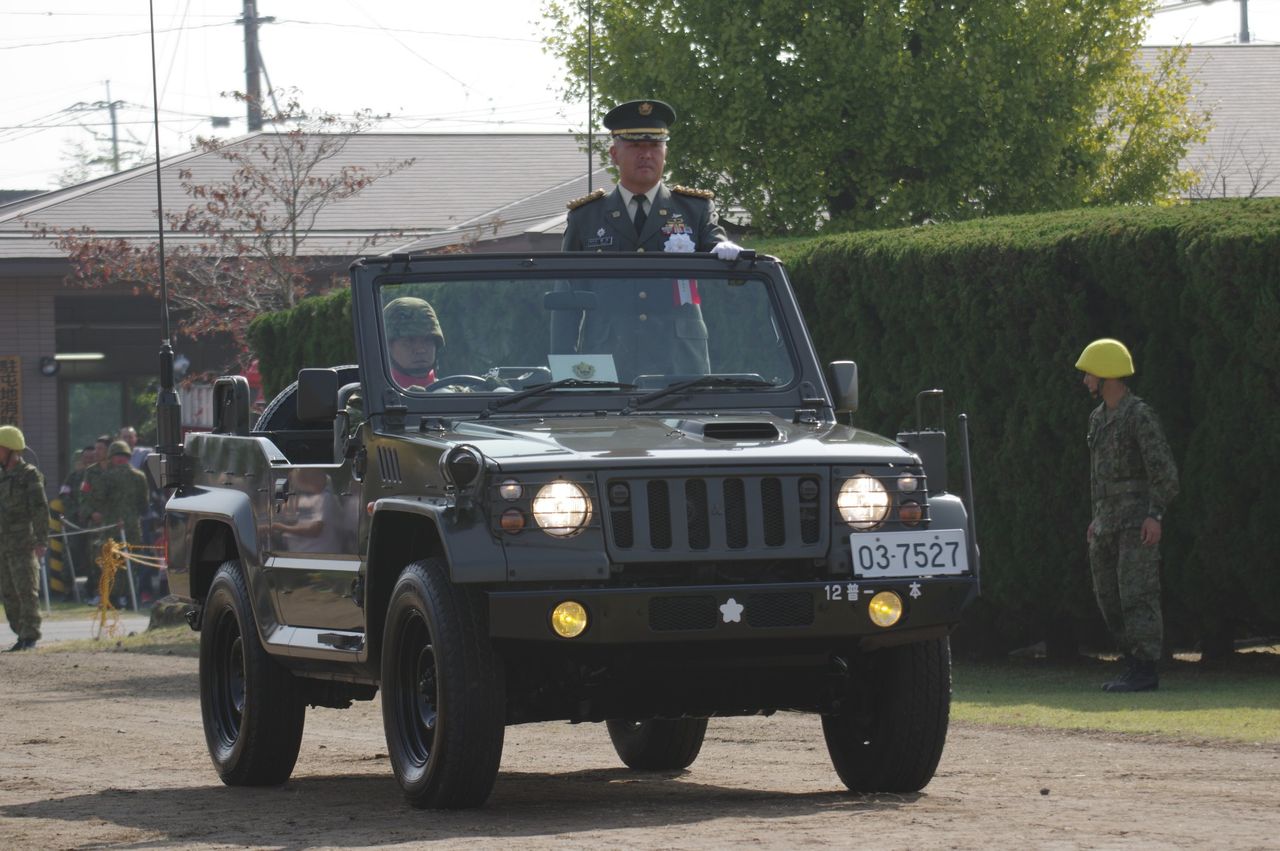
(600, 232)
(732, 611)
(915, 590)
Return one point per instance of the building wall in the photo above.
(27, 330)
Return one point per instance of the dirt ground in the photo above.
(106, 749)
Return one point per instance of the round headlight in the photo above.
(863, 502)
(885, 609)
(561, 508)
(569, 619)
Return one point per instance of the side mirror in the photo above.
(231, 405)
(317, 399)
(843, 377)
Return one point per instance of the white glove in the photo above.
(726, 250)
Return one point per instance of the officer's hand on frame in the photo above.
(726, 250)
(1150, 532)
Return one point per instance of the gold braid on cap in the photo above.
(586, 199)
(696, 193)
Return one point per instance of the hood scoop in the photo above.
(739, 430)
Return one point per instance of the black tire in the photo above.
(658, 744)
(443, 708)
(893, 741)
(252, 707)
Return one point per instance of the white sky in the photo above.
(470, 65)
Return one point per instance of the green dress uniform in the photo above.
(24, 525)
(647, 330)
(1132, 476)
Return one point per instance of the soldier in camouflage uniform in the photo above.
(1132, 479)
(24, 533)
(125, 499)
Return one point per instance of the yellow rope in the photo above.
(112, 559)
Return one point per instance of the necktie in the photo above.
(640, 214)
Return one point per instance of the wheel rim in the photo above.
(419, 698)
(228, 679)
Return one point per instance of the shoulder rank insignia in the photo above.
(696, 193)
(586, 199)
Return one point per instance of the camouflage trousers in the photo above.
(1126, 581)
(20, 592)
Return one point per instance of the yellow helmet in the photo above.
(11, 438)
(1106, 358)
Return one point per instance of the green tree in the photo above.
(878, 113)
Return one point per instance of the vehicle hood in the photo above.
(662, 441)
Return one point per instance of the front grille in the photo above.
(673, 613)
(783, 609)
(660, 517)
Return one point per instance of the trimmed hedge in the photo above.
(996, 311)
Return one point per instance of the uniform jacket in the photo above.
(24, 510)
(1132, 472)
(125, 500)
(603, 223)
(657, 330)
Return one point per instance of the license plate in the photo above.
(909, 554)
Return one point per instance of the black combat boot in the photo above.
(1142, 677)
(1130, 664)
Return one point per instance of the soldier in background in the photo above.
(24, 534)
(1132, 480)
(123, 504)
(93, 494)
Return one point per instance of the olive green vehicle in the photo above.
(596, 487)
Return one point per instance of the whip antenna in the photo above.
(168, 405)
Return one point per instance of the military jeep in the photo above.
(616, 489)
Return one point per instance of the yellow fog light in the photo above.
(885, 608)
(569, 619)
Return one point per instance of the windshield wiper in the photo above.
(539, 389)
(708, 381)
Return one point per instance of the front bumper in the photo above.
(777, 611)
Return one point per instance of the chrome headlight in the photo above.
(561, 508)
(863, 502)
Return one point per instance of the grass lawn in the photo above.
(1237, 701)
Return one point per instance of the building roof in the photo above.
(1240, 85)
(460, 187)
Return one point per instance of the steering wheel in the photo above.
(464, 380)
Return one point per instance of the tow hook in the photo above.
(193, 617)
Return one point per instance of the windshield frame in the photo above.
(371, 275)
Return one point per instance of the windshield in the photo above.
(610, 335)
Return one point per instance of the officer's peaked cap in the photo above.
(641, 120)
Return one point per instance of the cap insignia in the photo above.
(645, 108)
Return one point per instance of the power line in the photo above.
(108, 36)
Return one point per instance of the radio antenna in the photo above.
(591, 154)
(168, 405)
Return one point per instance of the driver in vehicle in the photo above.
(414, 341)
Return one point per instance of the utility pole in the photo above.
(252, 63)
(110, 106)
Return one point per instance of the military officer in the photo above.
(649, 330)
(24, 533)
(1133, 479)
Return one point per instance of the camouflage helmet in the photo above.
(408, 316)
(11, 438)
(1106, 358)
(119, 447)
